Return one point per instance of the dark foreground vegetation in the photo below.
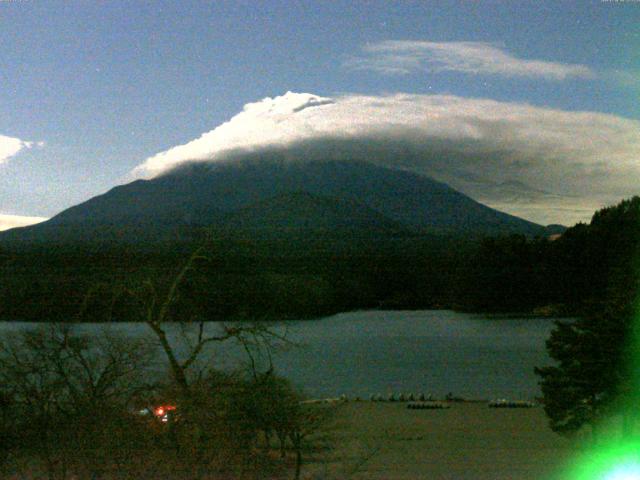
(76, 406)
(294, 273)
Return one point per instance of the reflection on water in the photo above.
(362, 353)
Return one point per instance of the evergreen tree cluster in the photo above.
(597, 356)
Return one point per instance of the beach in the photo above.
(386, 440)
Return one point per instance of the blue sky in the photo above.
(106, 85)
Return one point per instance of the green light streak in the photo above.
(617, 461)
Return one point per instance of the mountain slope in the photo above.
(301, 210)
(223, 195)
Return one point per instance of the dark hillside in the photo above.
(210, 196)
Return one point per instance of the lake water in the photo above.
(380, 352)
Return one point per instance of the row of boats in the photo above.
(426, 402)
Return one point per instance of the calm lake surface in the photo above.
(380, 352)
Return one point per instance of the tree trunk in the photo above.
(282, 438)
(298, 463)
(177, 370)
(298, 447)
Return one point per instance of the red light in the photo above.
(163, 409)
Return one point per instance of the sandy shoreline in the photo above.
(467, 441)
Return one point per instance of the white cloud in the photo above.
(260, 124)
(11, 146)
(584, 159)
(395, 57)
(13, 221)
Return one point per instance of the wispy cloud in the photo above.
(399, 57)
(627, 79)
(11, 146)
(12, 221)
(573, 162)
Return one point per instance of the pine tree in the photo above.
(591, 374)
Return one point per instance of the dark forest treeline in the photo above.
(588, 264)
(238, 277)
(298, 274)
